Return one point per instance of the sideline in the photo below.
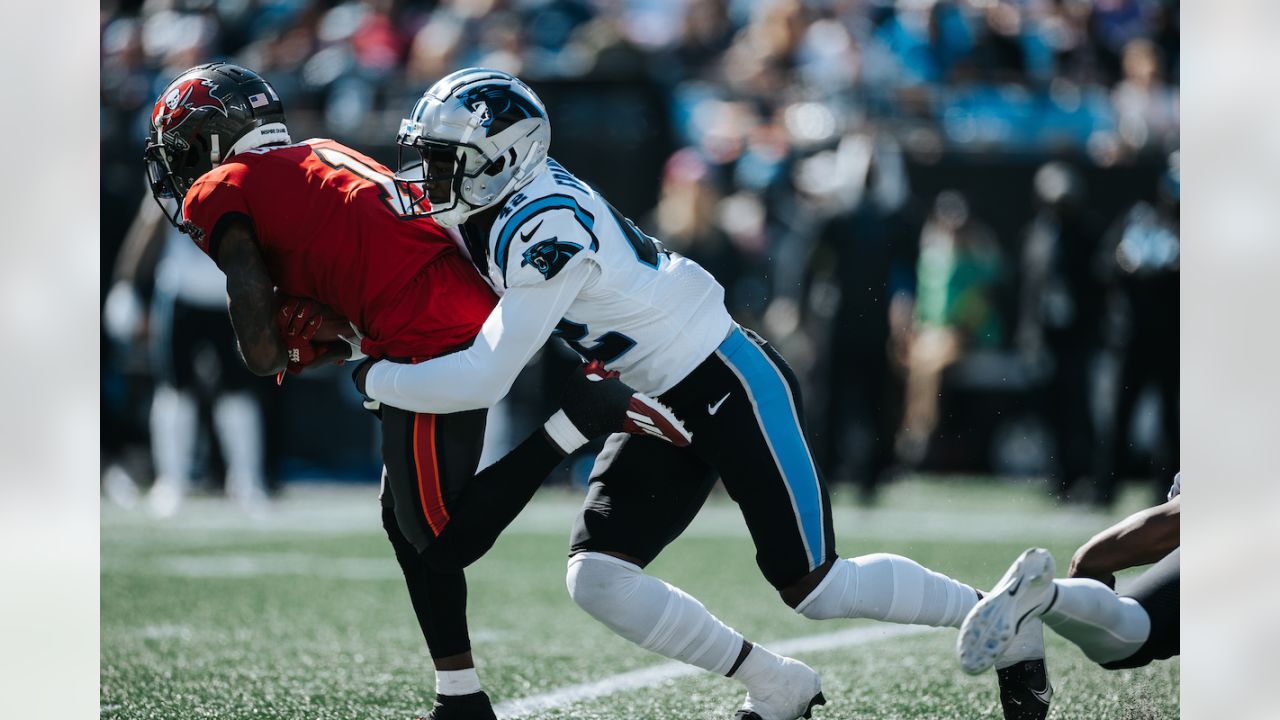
(650, 676)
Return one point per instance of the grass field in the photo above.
(304, 615)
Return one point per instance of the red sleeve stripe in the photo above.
(428, 470)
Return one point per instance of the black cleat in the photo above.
(817, 700)
(1025, 690)
(475, 706)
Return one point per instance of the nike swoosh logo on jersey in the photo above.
(526, 237)
(711, 409)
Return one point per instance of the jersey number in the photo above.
(610, 346)
(645, 247)
(393, 199)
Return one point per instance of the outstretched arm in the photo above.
(250, 298)
(1139, 539)
(481, 375)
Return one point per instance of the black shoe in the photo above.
(1025, 690)
(475, 706)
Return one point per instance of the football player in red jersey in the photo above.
(318, 220)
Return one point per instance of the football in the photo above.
(292, 310)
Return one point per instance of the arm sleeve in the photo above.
(481, 375)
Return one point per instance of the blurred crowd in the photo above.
(958, 218)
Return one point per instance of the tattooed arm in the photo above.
(250, 298)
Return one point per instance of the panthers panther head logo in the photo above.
(550, 256)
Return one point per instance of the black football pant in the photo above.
(743, 406)
(441, 515)
(1157, 590)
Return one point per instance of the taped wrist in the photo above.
(563, 433)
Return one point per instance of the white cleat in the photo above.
(1009, 612)
(165, 498)
(791, 693)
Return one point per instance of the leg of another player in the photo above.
(1104, 625)
(174, 424)
(1121, 631)
(439, 599)
(238, 420)
(664, 619)
(643, 494)
(758, 444)
(881, 586)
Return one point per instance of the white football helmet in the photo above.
(477, 136)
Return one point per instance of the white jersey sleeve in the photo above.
(540, 239)
(482, 374)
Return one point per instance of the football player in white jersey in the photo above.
(567, 264)
(1117, 631)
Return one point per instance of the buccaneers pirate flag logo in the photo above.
(179, 103)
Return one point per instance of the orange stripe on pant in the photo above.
(428, 469)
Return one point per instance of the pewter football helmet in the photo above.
(474, 137)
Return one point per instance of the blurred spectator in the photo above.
(868, 253)
(762, 93)
(959, 268)
(195, 359)
(1146, 108)
(705, 33)
(928, 39)
(1061, 313)
(1143, 271)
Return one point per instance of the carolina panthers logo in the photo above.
(497, 107)
(550, 256)
(177, 105)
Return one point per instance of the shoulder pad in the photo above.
(543, 233)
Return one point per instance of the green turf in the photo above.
(304, 616)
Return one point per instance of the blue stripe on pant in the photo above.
(779, 421)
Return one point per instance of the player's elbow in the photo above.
(264, 364)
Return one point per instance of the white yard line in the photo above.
(648, 677)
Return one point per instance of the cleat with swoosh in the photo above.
(1013, 607)
(1025, 690)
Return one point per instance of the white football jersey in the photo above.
(649, 313)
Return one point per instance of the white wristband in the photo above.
(564, 433)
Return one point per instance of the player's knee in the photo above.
(599, 582)
(864, 584)
(822, 603)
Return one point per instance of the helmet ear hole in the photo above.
(496, 166)
(191, 158)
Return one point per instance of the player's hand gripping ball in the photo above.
(307, 327)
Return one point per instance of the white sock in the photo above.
(889, 588)
(761, 664)
(457, 682)
(650, 613)
(239, 423)
(174, 422)
(1106, 626)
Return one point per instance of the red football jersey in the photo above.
(330, 225)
